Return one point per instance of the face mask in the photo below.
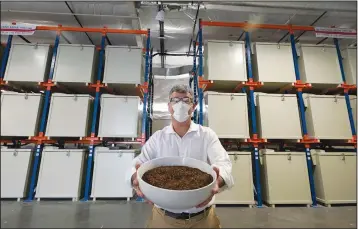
(181, 111)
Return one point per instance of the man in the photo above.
(184, 138)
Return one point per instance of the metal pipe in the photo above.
(242, 34)
(5, 56)
(152, 92)
(145, 97)
(283, 6)
(65, 38)
(194, 26)
(161, 36)
(321, 40)
(24, 39)
(257, 26)
(195, 82)
(91, 30)
(78, 21)
(314, 22)
(77, 14)
(150, 82)
(201, 92)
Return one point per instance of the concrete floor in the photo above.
(106, 214)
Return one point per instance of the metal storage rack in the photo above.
(252, 85)
(41, 139)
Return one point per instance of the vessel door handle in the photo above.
(343, 157)
(68, 153)
(15, 153)
(289, 157)
(120, 154)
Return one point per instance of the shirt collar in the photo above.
(193, 127)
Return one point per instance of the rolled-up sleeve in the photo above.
(148, 153)
(219, 158)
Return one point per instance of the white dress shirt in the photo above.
(199, 142)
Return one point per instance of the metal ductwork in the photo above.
(172, 71)
(161, 37)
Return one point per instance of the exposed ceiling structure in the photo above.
(178, 23)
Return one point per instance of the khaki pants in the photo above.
(205, 220)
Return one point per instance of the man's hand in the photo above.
(135, 184)
(219, 183)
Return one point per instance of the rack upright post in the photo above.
(303, 120)
(94, 120)
(39, 147)
(253, 120)
(195, 80)
(145, 96)
(346, 95)
(5, 57)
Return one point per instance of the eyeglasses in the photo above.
(186, 100)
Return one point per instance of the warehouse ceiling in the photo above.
(178, 23)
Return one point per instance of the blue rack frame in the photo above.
(39, 147)
(200, 89)
(252, 109)
(5, 57)
(195, 80)
(253, 113)
(303, 121)
(94, 121)
(346, 95)
(44, 115)
(148, 58)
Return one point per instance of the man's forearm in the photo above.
(221, 182)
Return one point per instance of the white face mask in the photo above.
(181, 111)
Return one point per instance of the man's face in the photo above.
(177, 97)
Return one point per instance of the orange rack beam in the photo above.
(92, 30)
(257, 26)
(347, 87)
(205, 84)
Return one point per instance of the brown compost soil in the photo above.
(177, 178)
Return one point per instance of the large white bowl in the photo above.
(175, 199)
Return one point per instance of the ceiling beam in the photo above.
(194, 26)
(136, 24)
(321, 40)
(279, 6)
(108, 41)
(24, 39)
(242, 34)
(78, 21)
(161, 37)
(65, 38)
(315, 21)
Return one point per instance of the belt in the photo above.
(184, 215)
